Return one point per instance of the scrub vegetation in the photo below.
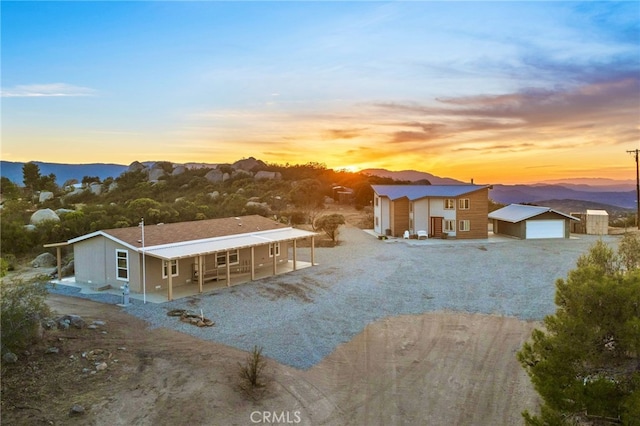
(585, 363)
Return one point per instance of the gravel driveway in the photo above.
(300, 317)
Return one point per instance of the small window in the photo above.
(122, 265)
(450, 225)
(221, 258)
(465, 225)
(277, 247)
(411, 207)
(449, 204)
(174, 268)
(463, 204)
(377, 221)
(376, 198)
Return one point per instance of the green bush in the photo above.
(22, 307)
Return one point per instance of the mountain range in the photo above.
(601, 192)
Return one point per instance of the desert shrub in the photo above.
(21, 309)
(330, 224)
(253, 367)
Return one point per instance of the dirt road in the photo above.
(435, 369)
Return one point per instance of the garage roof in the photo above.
(415, 192)
(518, 212)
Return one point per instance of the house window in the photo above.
(411, 207)
(277, 248)
(465, 225)
(377, 221)
(449, 204)
(376, 198)
(122, 265)
(449, 225)
(463, 204)
(221, 258)
(174, 268)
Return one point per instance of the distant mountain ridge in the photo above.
(412, 176)
(603, 191)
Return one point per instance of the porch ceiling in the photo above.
(221, 244)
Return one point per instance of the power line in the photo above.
(635, 151)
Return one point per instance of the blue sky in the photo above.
(499, 91)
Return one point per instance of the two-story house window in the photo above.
(465, 225)
(449, 225)
(449, 204)
(463, 204)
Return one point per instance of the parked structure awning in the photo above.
(222, 244)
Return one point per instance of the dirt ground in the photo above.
(435, 369)
(440, 368)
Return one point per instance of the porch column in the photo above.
(200, 273)
(59, 257)
(313, 251)
(275, 267)
(170, 290)
(295, 244)
(228, 270)
(253, 269)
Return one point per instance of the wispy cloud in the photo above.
(46, 90)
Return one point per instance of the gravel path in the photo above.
(300, 317)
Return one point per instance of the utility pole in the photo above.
(635, 152)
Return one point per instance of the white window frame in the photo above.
(126, 266)
(277, 246)
(221, 258)
(174, 263)
(464, 225)
(464, 203)
(449, 204)
(449, 225)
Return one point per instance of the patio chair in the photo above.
(406, 235)
(422, 235)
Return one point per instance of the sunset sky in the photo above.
(502, 92)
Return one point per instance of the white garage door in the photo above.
(545, 229)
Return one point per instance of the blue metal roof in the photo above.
(415, 192)
(518, 212)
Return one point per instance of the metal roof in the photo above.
(415, 192)
(220, 244)
(518, 212)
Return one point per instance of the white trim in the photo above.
(118, 269)
(277, 249)
(164, 268)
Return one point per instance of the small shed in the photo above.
(531, 222)
(593, 222)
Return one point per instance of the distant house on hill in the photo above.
(531, 222)
(458, 211)
(183, 256)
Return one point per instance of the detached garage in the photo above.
(531, 222)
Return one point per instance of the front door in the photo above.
(436, 227)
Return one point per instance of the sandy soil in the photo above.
(435, 369)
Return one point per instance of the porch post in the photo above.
(59, 256)
(228, 270)
(170, 295)
(253, 269)
(313, 251)
(295, 254)
(200, 273)
(275, 268)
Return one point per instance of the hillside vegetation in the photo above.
(165, 193)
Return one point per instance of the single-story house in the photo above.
(531, 222)
(593, 222)
(160, 257)
(458, 211)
